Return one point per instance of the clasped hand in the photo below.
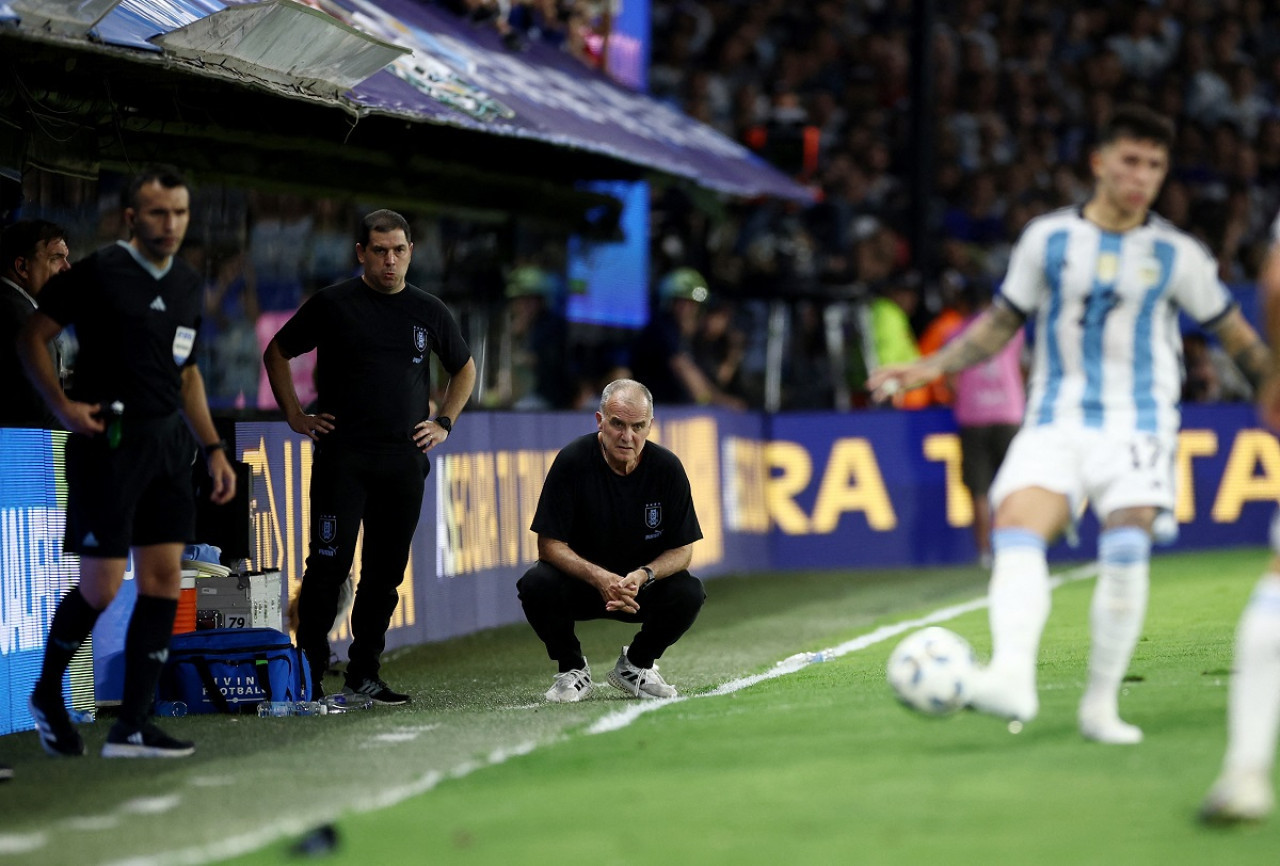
(620, 595)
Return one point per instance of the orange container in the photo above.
(185, 620)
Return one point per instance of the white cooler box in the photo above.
(240, 601)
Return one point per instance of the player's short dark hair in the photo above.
(165, 175)
(19, 241)
(1139, 122)
(383, 221)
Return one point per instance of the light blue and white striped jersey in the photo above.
(1108, 351)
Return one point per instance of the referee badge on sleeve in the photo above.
(183, 340)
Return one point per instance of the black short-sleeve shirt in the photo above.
(619, 522)
(136, 332)
(372, 367)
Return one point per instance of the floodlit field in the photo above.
(815, 766)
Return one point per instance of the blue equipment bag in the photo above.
(232, 670)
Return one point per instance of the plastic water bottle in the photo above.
(275, 709)
(115, 424)
(344, 703)
(82, 717)
(176, 709)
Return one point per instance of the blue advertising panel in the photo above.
(34, 572)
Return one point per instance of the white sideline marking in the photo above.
(263, 836)
(211, 781)
(246, 843)
(22, 843)
(402, 735)
(150, 805)
(621, 718)
(91, 823)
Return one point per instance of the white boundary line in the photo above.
(248, 842)
(621, 718)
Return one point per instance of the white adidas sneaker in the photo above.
(644, 683)
(571, 686)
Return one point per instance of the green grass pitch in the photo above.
(814, 767)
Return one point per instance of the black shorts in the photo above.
(982, 450)
(137, 494)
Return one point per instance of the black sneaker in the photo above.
(57, 735)
(376, 690)
(146, 742)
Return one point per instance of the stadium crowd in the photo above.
(824, 91)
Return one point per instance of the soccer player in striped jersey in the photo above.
(1243, 790)
(1105, 282)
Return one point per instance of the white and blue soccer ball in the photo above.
(932, 671)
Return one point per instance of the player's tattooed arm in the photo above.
(1244, 347)
(984, 338)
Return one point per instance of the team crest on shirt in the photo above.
(183, 340)
(1108, 267)
(420, 338)
(653, 515)
(328, 528)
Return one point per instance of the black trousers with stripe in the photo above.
(553, 601)
(350, 488)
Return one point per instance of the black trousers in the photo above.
(350, 487)
(553, 601)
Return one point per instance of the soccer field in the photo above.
(753, 765)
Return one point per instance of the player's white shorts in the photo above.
(1111, 471)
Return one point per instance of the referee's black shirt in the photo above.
(136, 332)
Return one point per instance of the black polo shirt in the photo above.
(372, 366)
(136, 331)
(619, 522)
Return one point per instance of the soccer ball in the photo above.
(931, 671)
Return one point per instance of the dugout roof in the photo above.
(396, 100)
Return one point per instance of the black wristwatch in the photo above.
(445, 422)
(648, 576)
(220, 445)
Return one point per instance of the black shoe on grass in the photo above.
(145, 742)
(376, 690)
(57, 735)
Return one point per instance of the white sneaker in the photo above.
(1240, 795)
(993, 694)
(571, 686)
(644, 683)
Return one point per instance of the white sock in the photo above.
(1253, 705)
(1019, 599)
(1116, 615)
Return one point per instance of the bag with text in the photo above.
(232, 670)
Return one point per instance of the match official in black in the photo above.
(31, 252)
(373, 336)
(136, 309)
(616, 527)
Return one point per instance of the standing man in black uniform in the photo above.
(373, 335)
(31, 252)
(136, 309)
(616, 527)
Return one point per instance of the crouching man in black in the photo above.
(616, 527)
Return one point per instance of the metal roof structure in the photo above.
(399, 99)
